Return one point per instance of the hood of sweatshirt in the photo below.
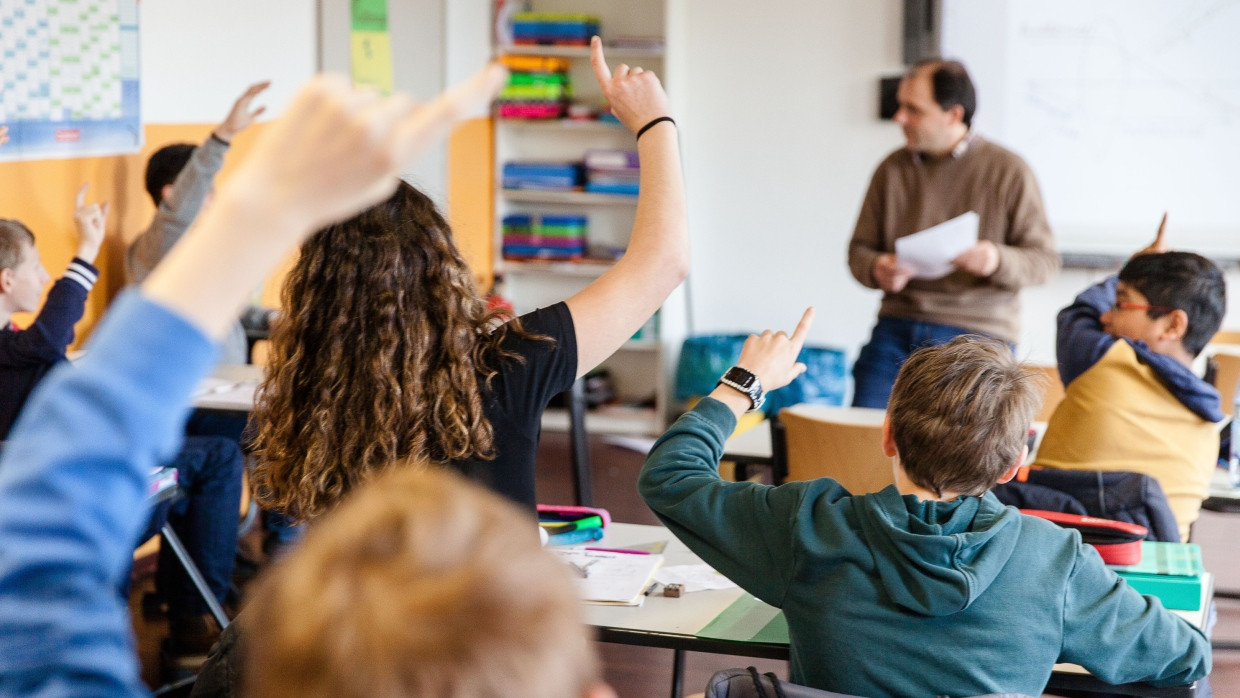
(934, 558)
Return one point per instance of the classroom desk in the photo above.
(677, 623)
(229, 388)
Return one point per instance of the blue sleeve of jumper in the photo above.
(1080, 340)
(72, 500)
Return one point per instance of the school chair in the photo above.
(1226, 375)
(1054, 392)
(749, 683)
(843, 443)
(1226, 337)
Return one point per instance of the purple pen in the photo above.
(626, 551)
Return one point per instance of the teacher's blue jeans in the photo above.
(891, 342)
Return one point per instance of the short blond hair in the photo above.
(960, 413)
(419, 584)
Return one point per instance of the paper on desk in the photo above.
(931, 251)
(611, 578)
(693, 577)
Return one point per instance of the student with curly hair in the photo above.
(388, 352)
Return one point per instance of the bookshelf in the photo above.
(640, 370)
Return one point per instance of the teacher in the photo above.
(945, 169)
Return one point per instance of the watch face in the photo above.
(741, 377)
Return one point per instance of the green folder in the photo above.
(1169, 571)
(748, 620)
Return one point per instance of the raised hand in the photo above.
(338, 150)
(635, 95)
(91, 223)
(890, 275)
(772, 356)
(981, 259)
(1160, 244)
(240, 117)
(335, 151)
(4, 135)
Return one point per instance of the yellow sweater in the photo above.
(1119, 416)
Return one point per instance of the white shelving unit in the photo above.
(641, 369)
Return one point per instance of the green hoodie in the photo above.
(888, 595)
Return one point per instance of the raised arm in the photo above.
(608, 311)
(73, 473)
(739, 528)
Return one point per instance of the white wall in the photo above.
(198, 57)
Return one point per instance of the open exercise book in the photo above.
(611, 578)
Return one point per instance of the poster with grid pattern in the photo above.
(69, 78)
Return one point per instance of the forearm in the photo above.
(72, 500)
(1080, 339)
(203, 279)
(660, 239)
(1025, 266)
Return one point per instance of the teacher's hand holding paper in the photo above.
(981, 259)
(890, 275)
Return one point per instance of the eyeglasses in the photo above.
(1125, 305)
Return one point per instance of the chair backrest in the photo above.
(843, 443)
(1226, 337)
(1225, 378)
(1054, 392)
(749, 683)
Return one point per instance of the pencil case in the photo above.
(564, 512)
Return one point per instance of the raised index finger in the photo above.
(799, 334)
(601, 71)
(80, 201)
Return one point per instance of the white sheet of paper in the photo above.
(693, 577)
(931, 251)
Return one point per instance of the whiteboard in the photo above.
(1123, 108)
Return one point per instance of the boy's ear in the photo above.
(6, 280)
(1015, 468)
(1175, 325)
(889, 439)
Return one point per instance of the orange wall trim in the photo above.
(40, 193)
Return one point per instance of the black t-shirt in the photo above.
(518, 396)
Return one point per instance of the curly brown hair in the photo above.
(382, 358)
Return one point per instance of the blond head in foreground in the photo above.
(420, 584)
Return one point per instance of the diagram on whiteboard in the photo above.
(69, 78)
(1123, 108)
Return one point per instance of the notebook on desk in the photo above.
(606, 577)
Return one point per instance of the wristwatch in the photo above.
(745, 381)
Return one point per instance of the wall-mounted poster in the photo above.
(69, 78)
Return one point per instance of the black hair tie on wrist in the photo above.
(647, 127)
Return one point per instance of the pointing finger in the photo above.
(601, 71)
(802, 330)
(80, 201)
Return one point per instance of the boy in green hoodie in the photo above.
(964, 595)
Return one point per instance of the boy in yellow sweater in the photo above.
(1125, 349)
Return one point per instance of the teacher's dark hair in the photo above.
(951, 84)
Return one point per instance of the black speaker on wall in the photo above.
(923, 30)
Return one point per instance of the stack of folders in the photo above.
(553, 176)
(553, 28)
(544, 237)
(612, 171)
(1170, 571)
(538, 88)
(611, 577)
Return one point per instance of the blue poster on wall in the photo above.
(69, 78)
